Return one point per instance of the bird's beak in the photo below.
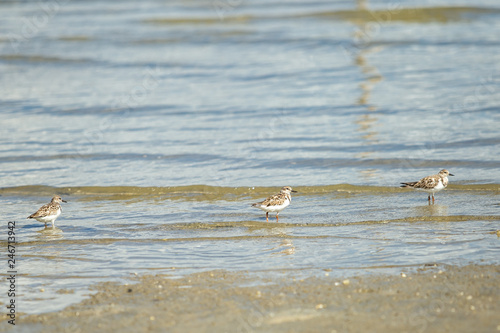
(451, 174)
(64, 200)
(294, 191)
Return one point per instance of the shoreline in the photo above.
(431, 299)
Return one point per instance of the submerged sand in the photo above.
(432, 299)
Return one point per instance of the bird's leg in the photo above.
(267, 216)
(277, 220)
(429, 198)
(433, 198)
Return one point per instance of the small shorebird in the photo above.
(49, 212)
(431, 184)
(276, 203)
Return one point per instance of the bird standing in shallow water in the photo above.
(431, 184)
(49, 212)
(276, 203)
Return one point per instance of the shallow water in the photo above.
(161, 123)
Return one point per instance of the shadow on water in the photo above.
(431, 210)
(50, 233)
(285, 247)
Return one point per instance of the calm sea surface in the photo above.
(160, 122)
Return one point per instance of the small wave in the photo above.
(412, 15)
(418, 15)
(39, 58)
(211, 193)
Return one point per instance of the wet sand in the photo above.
(433, 298)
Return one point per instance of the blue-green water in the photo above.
(161, 122)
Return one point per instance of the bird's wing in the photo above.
(43, 211)
(427, 182)
(276, 199)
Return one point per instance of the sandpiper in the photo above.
(276, 203)
(431, 184)
(49, 212)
